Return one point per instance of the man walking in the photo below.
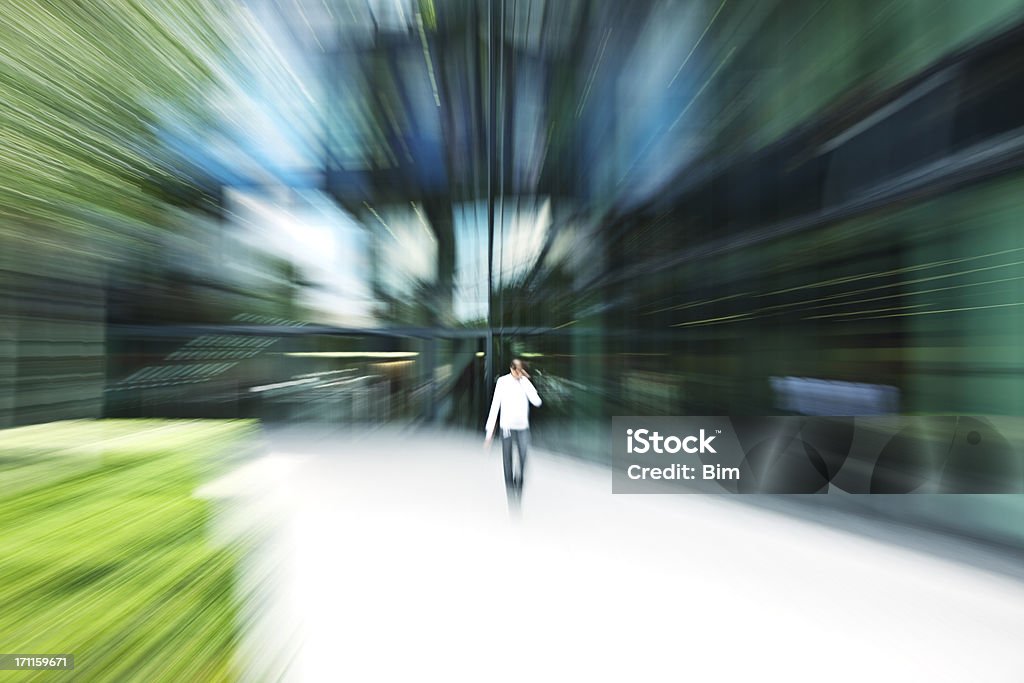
(513, 395)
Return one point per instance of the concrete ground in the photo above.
(392, 555)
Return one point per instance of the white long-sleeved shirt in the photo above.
(512, 398)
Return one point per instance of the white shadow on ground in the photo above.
(397, 560)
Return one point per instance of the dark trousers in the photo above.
(521, 437)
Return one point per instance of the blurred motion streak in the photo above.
(356, 212)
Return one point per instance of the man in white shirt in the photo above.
(513, 395)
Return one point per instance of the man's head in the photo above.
(518, 368)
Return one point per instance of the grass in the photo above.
(106, 554)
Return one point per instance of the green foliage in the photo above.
(106, 553)
(82, 88)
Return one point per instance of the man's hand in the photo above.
(487, 442)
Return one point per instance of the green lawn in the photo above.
(105, 553)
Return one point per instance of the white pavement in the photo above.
(396, 559)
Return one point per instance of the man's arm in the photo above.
(531, 393)
(492, 417)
